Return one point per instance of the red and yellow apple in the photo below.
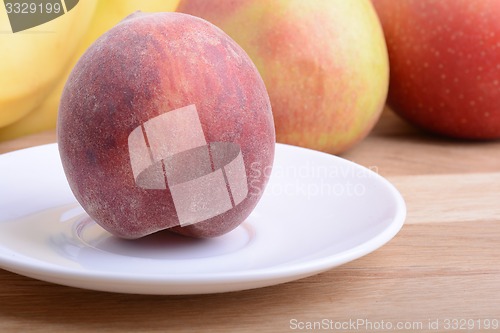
(119, 127)
(445, 64)
(324, 63)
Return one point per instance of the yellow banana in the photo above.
(107, 14)
(31, 61)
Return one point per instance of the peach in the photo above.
(165, 123)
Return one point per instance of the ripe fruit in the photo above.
(445, 64)
(324, 63)
(32, 60)
(107, 14)
(165, 122)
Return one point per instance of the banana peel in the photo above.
(32, 61)
(107, 14)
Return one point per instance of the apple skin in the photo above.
(145, 66)
(324, 63)
(445, 64)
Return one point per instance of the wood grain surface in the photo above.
(441, 270)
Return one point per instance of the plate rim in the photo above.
(289, 272)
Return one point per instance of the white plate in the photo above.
(318, 211)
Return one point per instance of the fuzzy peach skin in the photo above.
(445, 64)
(145, 66)
(324, 63)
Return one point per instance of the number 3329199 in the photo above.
(33, 8)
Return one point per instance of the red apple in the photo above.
(445, 64)
(165, 123)
(324, 64)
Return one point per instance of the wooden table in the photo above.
(443, 265)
